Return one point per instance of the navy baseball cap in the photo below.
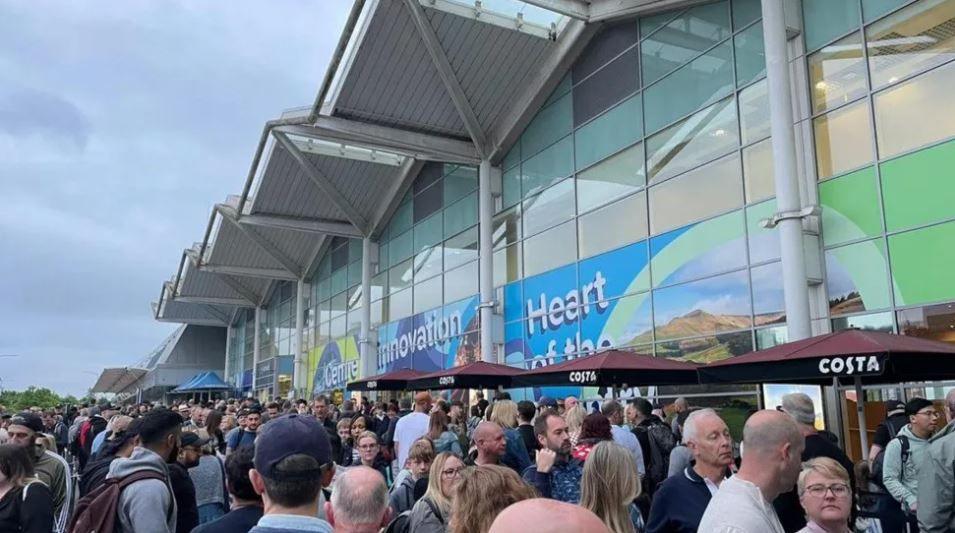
(547, 401)
(286, 436)
(29, 421)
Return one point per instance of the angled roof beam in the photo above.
(570, 44)
(323, 183)
(229, 215)
(578, 9)
(601, 10)
(216, 313)
(413, 144)
(305, 225)
(396, 193)
(194, 321)
(212, 300)
(316, 254)
(451, 83)
(250, 272)
(233, 283)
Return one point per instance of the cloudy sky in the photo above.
(121, 123)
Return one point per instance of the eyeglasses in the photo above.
(930, 414)
(819, 491)
(451, 472)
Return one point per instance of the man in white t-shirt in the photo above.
(412, 427)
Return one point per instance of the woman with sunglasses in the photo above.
(825, 495)
(431, 513)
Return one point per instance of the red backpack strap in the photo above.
(139, 476)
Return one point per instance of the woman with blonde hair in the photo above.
(610, 485)
(483, 492)
(431, 513)
(826, 495)
(574, 417)
(516, 455)
(26, 504)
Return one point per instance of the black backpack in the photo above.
(877, 463)
(662, 441)
(400, 523)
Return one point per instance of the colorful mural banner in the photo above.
(433, 340)
(332, 366)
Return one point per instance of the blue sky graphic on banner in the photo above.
(333, 365)
(436, 339)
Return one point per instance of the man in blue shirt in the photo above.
(679, 503)
(557, 474)
(292, 462)
(245, 436)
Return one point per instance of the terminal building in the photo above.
(523, 182)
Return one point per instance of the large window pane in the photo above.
(401, 247)
(428, 263)
(919, 188)
(856, 278)
(615, 129)
(699, 250)
(612, 226)
(763, 242)
(459, 183)
(430, 174)
(684, 38)
(606, 87)
(769, 306)
(428, 233)
(745, 11)
(554, 247)
(461, 248)
(548, 166)
(687, 144)
(912, 39)
(750, 56)
(702, 81)
(874, 322)
(400, 276)
(825, 20)
(428, 201)
(843, 140)
(873, 9)
(754, 112)
(401, 221)
(708, 306)
(507, 227)
(461, 214)
(837, 73)
(936, 322)
(850, 207)
(428, 295)
(461, 282)
(511, 185)
(699, 194)
(549, 208)
(758, 173)
(617, 176)
(550, 124)
(399, 305)
(916, 112)
(507, 265)
(922, 264)
(606, 45)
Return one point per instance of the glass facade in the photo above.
(630, 206)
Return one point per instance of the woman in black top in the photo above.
(26, 504)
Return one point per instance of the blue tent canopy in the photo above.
(204, 381)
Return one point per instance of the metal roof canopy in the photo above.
(114, 380)
(169, 309)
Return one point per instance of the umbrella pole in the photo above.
(860, 412)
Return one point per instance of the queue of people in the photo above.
(423, 465)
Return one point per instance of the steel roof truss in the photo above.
(229, 214)
(323, 183)
(305, 225)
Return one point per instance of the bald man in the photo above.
(773, 447)
(359, 502)
(547, 516)
(490, 444)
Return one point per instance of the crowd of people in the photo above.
(432, 466)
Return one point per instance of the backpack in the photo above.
(662, 441)
(96, 512)
(876, 471)
(400, 523)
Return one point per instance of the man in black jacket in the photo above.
(187, 511)
(525, 415)
(321, 413)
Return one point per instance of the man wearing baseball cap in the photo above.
(895, 420)
(293, 461)
(50, 468)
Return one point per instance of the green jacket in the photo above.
(937, 483)
(902, 481)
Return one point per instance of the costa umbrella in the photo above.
(478, 375)
(849, 356)
(612, 369)
(394, 380)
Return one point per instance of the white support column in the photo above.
(228, 353)
(486, 258)
(788, 203)
(257, 319)
(369, 366)
(298, 368)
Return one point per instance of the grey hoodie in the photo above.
(903, 482)
(146, 506)
(937, 483)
